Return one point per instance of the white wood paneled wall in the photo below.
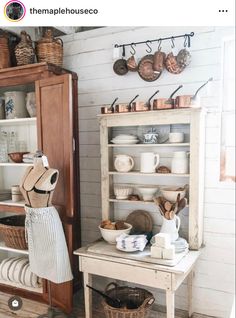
(90, 55)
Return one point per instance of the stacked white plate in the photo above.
(125, 139)
(181, 245)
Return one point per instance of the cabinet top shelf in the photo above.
(138, 173)
(151, 145)
(17, 121)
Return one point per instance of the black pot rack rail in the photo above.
(186, 36)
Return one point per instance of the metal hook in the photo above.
(123, 51)
(172, 42)
(150, 49)
(159, 44)
(132, 47)
(185, 40)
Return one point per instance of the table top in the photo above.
(184, 265)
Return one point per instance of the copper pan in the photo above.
(185, 101)
(165, 103)
(142, 106)
(125, 108)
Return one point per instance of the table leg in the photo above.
(170, 304)
(190, 293)
(88, 295)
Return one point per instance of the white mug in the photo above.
(149, 162)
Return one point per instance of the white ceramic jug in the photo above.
(123, 163)
(171, 227)
(179, 162)
(149, 162)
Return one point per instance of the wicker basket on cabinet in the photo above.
(24, 50)
(12, 230)
(4, 52)
(49, 49)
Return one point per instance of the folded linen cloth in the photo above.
(131, 242)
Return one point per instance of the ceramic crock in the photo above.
(123, 163)
(15, 105)
(180, 162)
(31, 104)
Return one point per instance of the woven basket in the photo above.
(140, 298)
(12, 230)
(4, 53)
(49, 49)
(24, 51)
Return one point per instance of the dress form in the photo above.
(38, 184)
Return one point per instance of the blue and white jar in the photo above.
(15, 106)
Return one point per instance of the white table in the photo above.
(137, 272)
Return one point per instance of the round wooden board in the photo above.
(141, 221)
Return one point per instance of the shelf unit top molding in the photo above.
(156, 117)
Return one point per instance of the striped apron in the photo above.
(48, 254)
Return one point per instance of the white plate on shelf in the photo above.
(125, 137)
(124, 141)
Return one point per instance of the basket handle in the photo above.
(110, 285)
(58, 40)
(147, 302)
(28, 38)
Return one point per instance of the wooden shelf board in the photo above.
(15, 121)
(21, 287)
(150, 145)
(12, 164)
(11, 203)
(3, 247)
(138, 173)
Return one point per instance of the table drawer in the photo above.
(126, 272)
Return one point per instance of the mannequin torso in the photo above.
(38, 184)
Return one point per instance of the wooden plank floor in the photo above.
(32, 309)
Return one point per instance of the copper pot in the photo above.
(165, 103)
(142, 106)
(159, 61)
(185, 101)
(109, 110)
(124, 108)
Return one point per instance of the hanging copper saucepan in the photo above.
(142, 106)
(125, 108)
(165, 103)
(185, 101)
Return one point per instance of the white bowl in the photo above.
(176, 137)
(147, 193)
(122, 192)
(171, 194)
(110, 235)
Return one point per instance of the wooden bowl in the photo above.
(17, 157)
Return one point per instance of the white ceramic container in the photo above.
(15, 106)
(176, 137)
(122, 192)
(171, 227)
(31, 104)
(180, 162)
(149, 162)
(147, 193)
(110, 235)
(123, 163)
(170, 194)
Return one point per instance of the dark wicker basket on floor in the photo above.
(12, 229)
(141, 298)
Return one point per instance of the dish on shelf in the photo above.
(125, 141)
(141, 221)
(17, 157)
(125, 137)
(176, 137)
(171, 193)
(122, 192)
(110, 235)
(147, 193)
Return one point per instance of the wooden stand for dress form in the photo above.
(52, 312)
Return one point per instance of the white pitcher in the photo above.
(171, 227)
(123, 163)
(149, 162)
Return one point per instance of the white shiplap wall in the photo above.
(90, 55)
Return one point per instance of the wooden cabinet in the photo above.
(55, 131)
(191, 122)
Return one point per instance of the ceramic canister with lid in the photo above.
(180, 162)
(15, 106)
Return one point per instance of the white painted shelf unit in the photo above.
(195, 119)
